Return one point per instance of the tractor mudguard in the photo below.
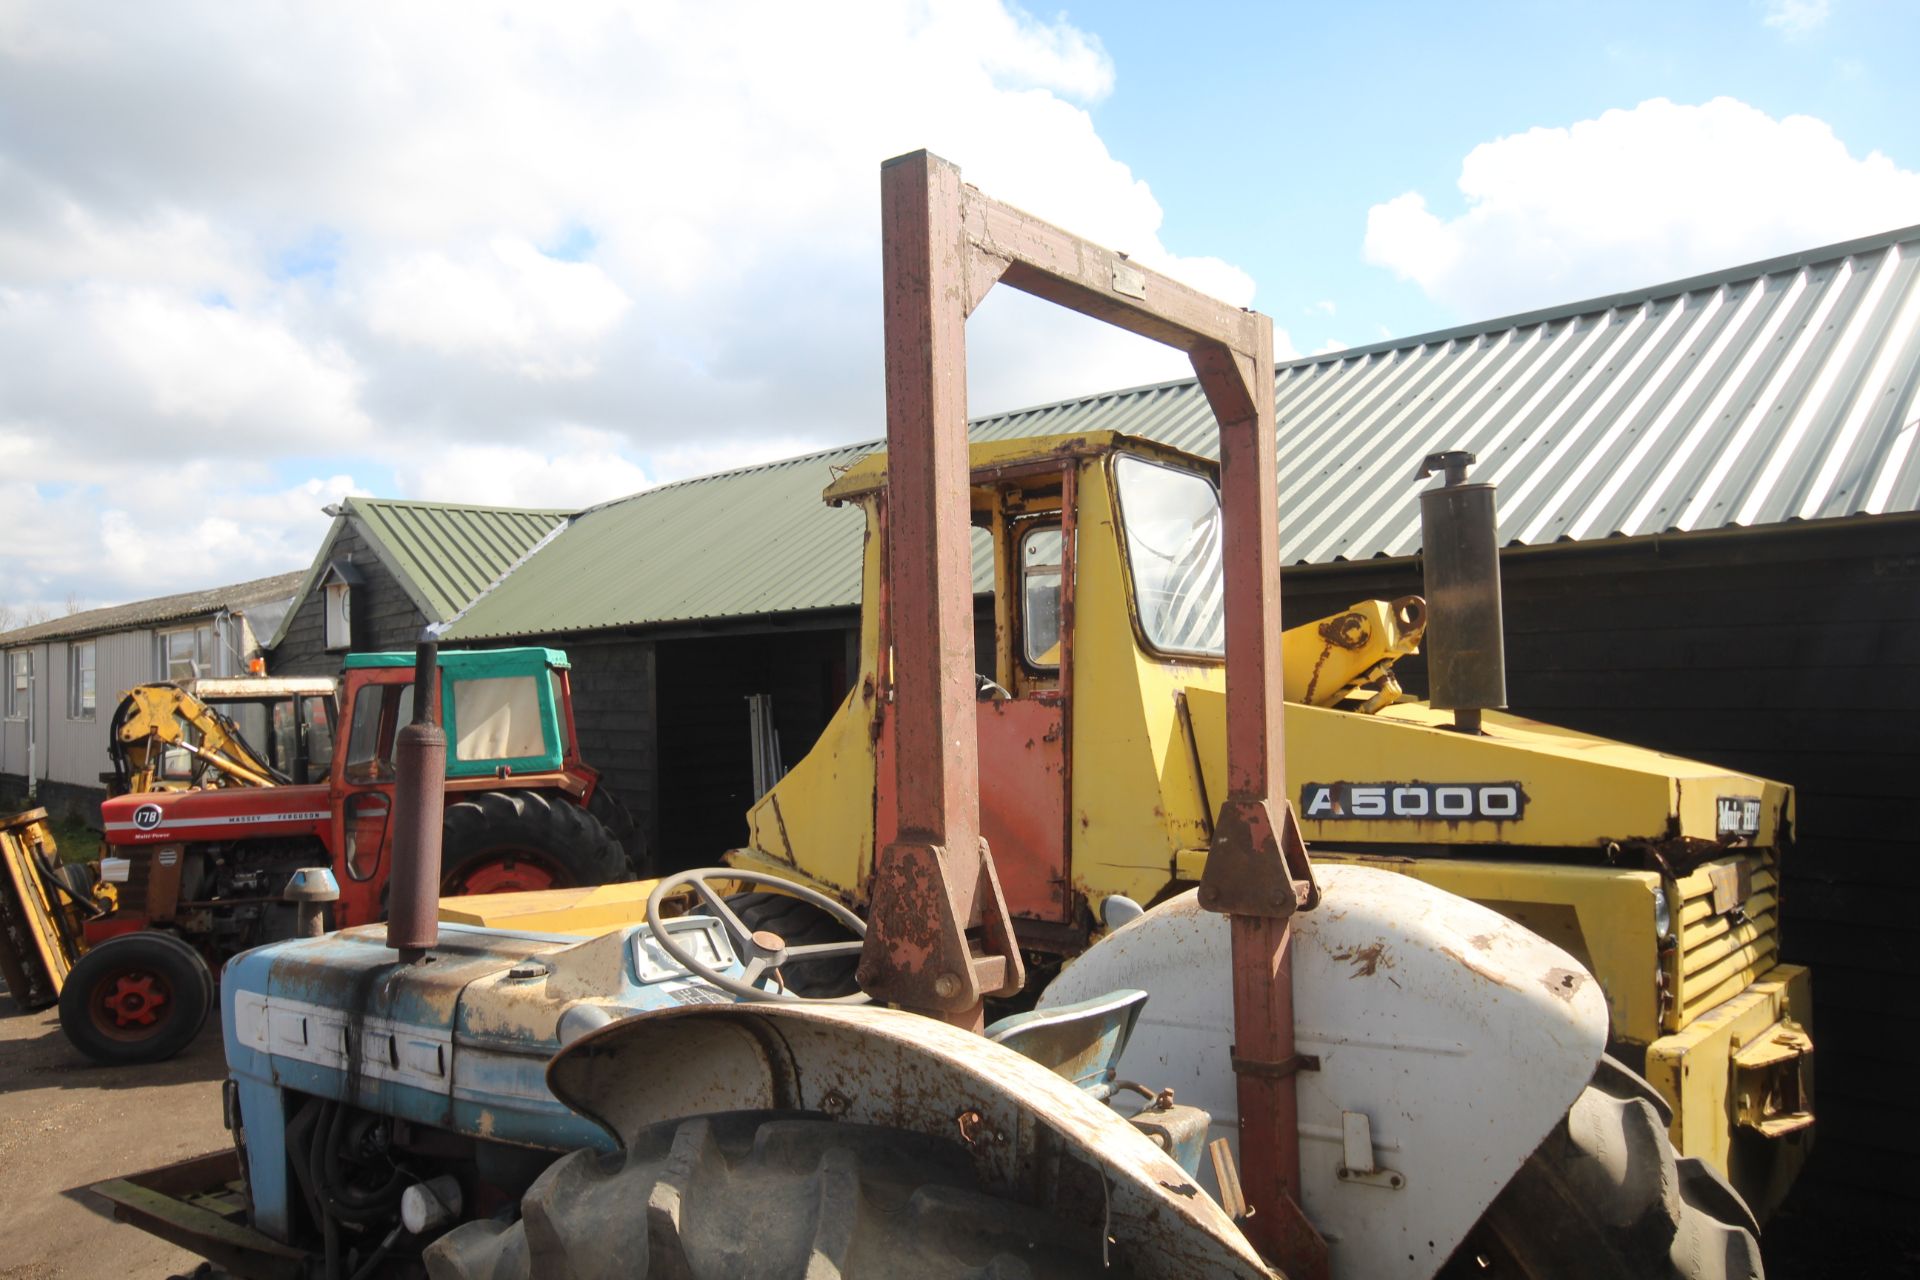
(1449, 1041)
(1032, 1135)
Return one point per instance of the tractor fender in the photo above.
(1032, 1136)
(1459, 1037)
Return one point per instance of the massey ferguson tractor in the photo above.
(1393, 1080)
(192, 876)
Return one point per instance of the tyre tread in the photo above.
(769, 1194)
(1605, 1196)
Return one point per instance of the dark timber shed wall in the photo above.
(706, 773)
(617, 720)
(1789, 652)
(384, 616)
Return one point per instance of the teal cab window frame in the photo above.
(491, 664)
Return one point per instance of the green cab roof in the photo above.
(471, 663)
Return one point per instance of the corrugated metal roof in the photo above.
(162, 609)
(1780, 391)
(444, 554)
(756, 541)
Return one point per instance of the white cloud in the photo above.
(139, 527)
(576, 468)
(498, 250)
(507, 302)
(1637, 196)
(1797, 17)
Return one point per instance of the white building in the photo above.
(60, 680)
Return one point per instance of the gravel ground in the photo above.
(66, 1123)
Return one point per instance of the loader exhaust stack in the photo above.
(419, 794)
(1466, 643)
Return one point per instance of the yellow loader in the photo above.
(1102, 758)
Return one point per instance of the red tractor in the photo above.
(200, 875)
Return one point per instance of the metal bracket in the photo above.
(1356, 1163)
(1275, 1070)
(1257, 867)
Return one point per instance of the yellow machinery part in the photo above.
(40, 937)
(579, 913)
(1146, 764)
(155, 718)
(1740, 1080)
(1327, 660)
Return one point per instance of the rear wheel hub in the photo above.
(508, 873)
(132, 1001)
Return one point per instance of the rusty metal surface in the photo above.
(1069, 623)
(419, 807)
(944, 247)
(1023, 802)
(1460, 558)
(1034, 1136)
(198, 1205)
(933, 882)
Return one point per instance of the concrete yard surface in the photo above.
(66, 1123)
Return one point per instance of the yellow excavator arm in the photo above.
(156, 718)
(1351, 655)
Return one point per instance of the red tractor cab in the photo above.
(200, 875)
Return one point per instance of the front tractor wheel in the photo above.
(1606, 1197)
(137, 998)
(521, 841)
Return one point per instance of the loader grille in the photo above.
(1729, 931)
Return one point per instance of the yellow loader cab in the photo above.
(1103, 761)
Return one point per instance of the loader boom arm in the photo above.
(155, 718)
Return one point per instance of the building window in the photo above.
(188, 653)
(81, 656)
(338, 586)
(19, 683)
(339, 615)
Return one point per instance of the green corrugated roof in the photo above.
(442, 554)
(747, 542)
(1780, 390)
(445, 555)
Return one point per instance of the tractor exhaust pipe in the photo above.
(419, 804)
(1466, 643)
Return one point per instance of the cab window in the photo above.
(1040, 596)
(378, 713)
(1172, 520)
(316, 725)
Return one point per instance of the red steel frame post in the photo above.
(938, 934)
(939, 938)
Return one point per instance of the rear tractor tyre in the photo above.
(757, 1194)
(518, 841)
(136, 998)
(619, 821)
(1605, 1196)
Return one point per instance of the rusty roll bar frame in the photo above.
(939, 938)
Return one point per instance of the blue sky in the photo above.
(494, 251)
(1324, 110)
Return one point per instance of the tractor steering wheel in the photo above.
(762, 951)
